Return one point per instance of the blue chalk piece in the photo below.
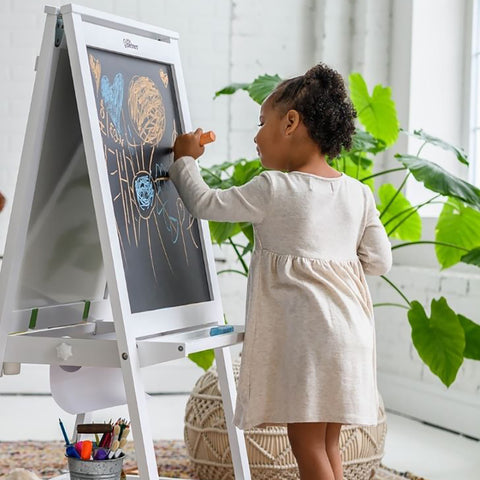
(221, 329)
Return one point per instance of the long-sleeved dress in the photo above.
(309, 353)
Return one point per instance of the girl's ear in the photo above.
(292, 121)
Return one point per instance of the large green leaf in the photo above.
(363, 141)
(439, 339)
(358, 158)
(437, 179)
(244, 171)
(459, 153)
(217, 176)
(221, 231)
(262, 87)
(258, 90)
(231, 89)
(405, 223)
(377, 113)
(247, 230)
(458, 225)
(472, 257)
(472, 338)
(203, 359)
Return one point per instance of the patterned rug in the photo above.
(46, 459)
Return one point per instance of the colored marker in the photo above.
(86, 450)
(65, 436)
(221, 329)
(101, 454)
(78, 447)
(72, 452)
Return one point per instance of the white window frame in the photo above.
(472, 75)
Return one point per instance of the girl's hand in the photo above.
(188, 144)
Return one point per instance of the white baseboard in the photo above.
(448, 409)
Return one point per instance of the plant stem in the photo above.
(443, 244)
(390, 305)
(396, 194)
(230, 270)
(410, 214)
(396, 288)
(238, 244)
(416, 207)
(421, 148)
(383, 172)
(401, 186)
(240, 258)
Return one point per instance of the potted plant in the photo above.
(442, 337)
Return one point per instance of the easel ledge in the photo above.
(95, 344)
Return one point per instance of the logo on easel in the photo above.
(128, 44)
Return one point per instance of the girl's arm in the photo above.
(248, 203)
(374, 250)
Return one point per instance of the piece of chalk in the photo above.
(221, 329)
(207, 137)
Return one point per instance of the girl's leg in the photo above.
(308, 446)
(332, 439)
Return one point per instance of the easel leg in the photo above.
(229, 392)
(137, 409)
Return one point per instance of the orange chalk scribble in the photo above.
(147, 110)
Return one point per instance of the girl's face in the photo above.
(269, 138)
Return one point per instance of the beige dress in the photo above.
(309, 349)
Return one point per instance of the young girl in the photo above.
(308, 357)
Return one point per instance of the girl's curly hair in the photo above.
(321, 99)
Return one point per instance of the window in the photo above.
(475, 99)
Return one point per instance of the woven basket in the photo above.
(269, 453)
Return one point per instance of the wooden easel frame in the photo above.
(94, 339)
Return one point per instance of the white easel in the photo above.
(59, 313)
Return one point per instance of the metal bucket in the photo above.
(95, 469)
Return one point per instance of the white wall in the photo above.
(267, 37)
(438, 84)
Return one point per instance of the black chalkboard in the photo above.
(159, 239)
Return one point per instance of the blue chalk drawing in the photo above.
(113, 97)
(144, 193)
(171, 223)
